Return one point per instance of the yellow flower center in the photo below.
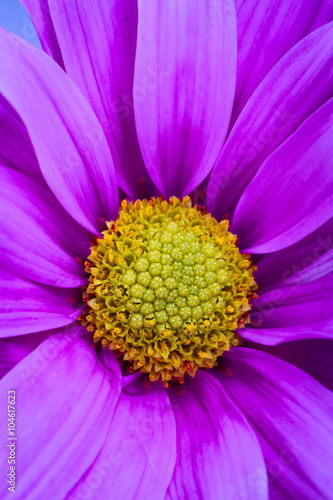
(168, 287)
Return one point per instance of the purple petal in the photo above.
(15, 145)
(138, 456)
(319, 267)
(102, 66)
(292, 313)
(218, 453)
(314, 356)
(292, 414)
(39, 240)
(265, 32)
(41, 14)
(307, 260)
(187, 51)
(68, 140)
(29, 307)
(296, 87)
(13, 350)
(4, 162)
(292, 193)
(65, 402)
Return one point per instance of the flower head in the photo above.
(168, 288)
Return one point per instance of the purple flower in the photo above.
(160, 96)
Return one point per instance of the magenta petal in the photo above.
(138, 456)
(292, 414)
(307, 260)
(296, 87)
(319, 267)
(28, 307)
(292, 193)
(41, 14)
(67, 138)
(40, 241)
(186, 53)
(98, 48)
(92, 51)
(15, 145)
(14, 349)
(218, 454)
(293, 313)
(313, 356)
(65, 402)
(265, 32)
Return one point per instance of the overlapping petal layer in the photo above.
(313, 356)
(14, 349)
(63, 395)
(40, 241)
(90, 41)
(296, 87)
(265, 32)
(280, 206)
(213, 438)
(292, 313)
(28, 307)
(41, 12)
(139, 453)
(307, 260)
(16, 150)
(292, 416)
(67, 138)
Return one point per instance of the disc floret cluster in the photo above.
(168, 287)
